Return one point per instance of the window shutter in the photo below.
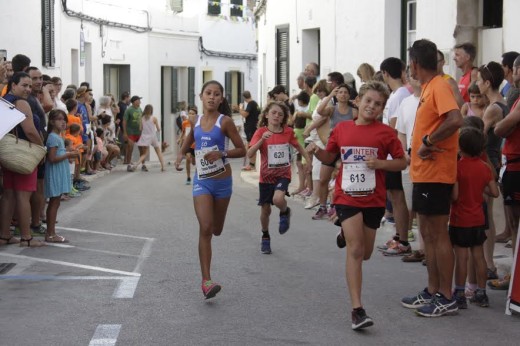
(175, 90)
(214, 7)
(191, 86)
(48, 51)
(228, 86)
(282, 57)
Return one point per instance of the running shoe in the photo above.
(360, 319)
(266, 246)
(210, 289)
(439, 306)
(39, 229)
(398, 250)
(340, 240)
(285, 221)
(421, 299)
(460, 298)
(390, 244)
(389, 220)
(130, 168)
(331, 212)
(480, 298)
(321, 214)
(312, 202)
(188, 181)
(469, 293)
(144, 168)
(500, 284)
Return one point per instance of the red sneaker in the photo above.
(210, 289)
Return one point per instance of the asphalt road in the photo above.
(130, 276)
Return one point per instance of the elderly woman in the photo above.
(18, 188)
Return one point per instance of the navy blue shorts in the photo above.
(267, 190)
(218, 188)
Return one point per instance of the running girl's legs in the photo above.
(144, 152)
(160, 156)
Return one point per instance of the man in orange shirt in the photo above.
(433, 171)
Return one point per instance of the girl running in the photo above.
(212, 183)
(272, 138)
(360, 194)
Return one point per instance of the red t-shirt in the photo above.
(512, 146)
(473, 175)
(464, 83)
(358, 143)
(274, 154)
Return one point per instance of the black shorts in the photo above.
(431, 198)
(267, 190)
(249, 134)
(333, 163)
(371, 215)
(394, 181)
(511, 187)
(467, 236)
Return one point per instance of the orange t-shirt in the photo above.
(72, 119)
(186, 128)
(436, 100)
(4, 91)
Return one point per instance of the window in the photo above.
(492, 13)
(175, 5)
(236, 8)
(282, 56)
(234, 86)
(408, 26)
(48, 56)
(175, 90)
(214, 8)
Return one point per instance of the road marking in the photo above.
(126, 288)
(58, 278)
(69, 264)
(104, 233)
(105, 334)
(145, 253)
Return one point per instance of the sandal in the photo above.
(36, 243)
(9, 241)
(55, 239)
(416, 256)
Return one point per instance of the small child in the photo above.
(72, 117)
(77, 142)
(302, 103)
(360, 194)
(57, 171)
(100, 151)
(186, 129)
(467, 219)
(477, 104)
(272, 139)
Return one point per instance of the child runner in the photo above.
(186, 129)
(478, 102)
(467, 219)
(360, 193)
(212, 183)
(57, 171)
(149, 130)
(272, 138)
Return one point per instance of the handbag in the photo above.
(18, 155)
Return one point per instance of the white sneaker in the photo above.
(312, 202)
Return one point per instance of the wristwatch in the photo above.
(426, 141)
(224, 154)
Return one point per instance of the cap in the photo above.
(81, 91)
(135, 98)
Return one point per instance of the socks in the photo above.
(404, 243)
(472, 287)
(265, 234)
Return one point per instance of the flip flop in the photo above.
(56, 239)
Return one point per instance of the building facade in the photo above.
(161, 50)
(341, 34)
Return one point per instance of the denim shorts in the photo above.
(218, 188)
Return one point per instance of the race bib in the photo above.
(188, 130)
(357, 179)
(278, 156)
(205, 169)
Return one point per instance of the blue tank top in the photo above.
(36, 120)
(208, 139)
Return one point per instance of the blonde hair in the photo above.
(379, 87)
(366, 72)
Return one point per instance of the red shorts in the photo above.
(19, 182)
(134, 138)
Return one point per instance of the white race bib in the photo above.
(188, 130)
(357, 179)
(205, 169)
(278, 155)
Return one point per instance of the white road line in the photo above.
(145, 253)
(126, 288)
(69, 264)
(106, 252)
(104, 233)
(59, 278)
(60, 245)
(105, 334)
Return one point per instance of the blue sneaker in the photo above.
(266, 246)
(285, 221)
(439, 306)
(421, 299)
